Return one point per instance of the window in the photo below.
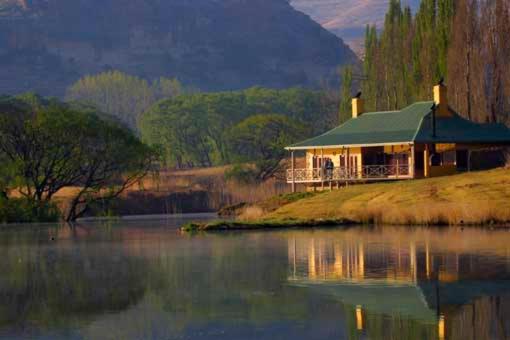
(448, 157)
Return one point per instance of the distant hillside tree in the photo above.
(122, 95)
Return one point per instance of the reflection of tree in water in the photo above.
(212, 279)
(216, 283)
(165, 286)
(54, 284)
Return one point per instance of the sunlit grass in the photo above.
(471, 198)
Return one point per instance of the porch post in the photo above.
(322, 168)
(469, 161)
(293, 166)
(411, 170)
(348, 165)
(426, 160)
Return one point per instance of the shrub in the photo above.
(242, 174)
(22, 210)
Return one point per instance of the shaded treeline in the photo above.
(464, 41)
(208, 129)
(204, 129)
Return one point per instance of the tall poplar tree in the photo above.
(345, 111)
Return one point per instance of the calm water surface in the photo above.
(143, 279)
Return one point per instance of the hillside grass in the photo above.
(477, 198)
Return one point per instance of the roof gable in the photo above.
(414, 124)
(456, 129)
(374, 128)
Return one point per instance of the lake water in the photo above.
(143, 279)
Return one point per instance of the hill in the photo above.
(45, 45)
(348, 18)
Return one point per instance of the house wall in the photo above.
(356, 156)
(437, 170)
(335, 154)
(443, 170)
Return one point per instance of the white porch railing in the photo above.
(367, 172)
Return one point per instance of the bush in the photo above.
(22, 210)
(241, 174)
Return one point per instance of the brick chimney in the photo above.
(441, 100)
(358, 107)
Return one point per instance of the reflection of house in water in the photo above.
(416, 279)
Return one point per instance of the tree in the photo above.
(114, 160)
(408, 56)
(346, 96)
(50, 146)
(479, 66)
(189, 129)
(260, 140)
(122, 95)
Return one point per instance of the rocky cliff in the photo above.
(45, 45)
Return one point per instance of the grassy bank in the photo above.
(477, 198)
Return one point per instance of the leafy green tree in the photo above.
(122, 95)
(409, 55)
(260, 140)
(50, 146)
(189, 129)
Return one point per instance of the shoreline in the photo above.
(220, 226)
(470, 199)
(263, 225)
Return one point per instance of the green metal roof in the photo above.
(410, 125)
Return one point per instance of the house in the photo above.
(425, 139)
(412, 278)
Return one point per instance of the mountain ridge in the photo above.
(348, 18)
(45, 45)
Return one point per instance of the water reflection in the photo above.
(451, 282)
(145, 280)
